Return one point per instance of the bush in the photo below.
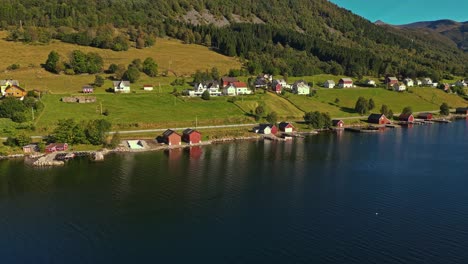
(206, 95)
(13, 67)
(444, 109)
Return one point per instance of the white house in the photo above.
(418, 82)
(345, 83)
(121, 87)
(408, 82)
(329, 84)
(370, 82)
(435, 84)
(301, 87)
(236, 88)
(399, 87)
(229, 90)
(200, 88)
(283, 83)
(427, 81)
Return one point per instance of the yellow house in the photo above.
(15, 91)
(6, 83)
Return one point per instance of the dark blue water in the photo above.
(394, 197)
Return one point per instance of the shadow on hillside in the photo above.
(347, 110)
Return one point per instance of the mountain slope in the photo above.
(455, 31)
(300, 37)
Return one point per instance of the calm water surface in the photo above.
(394, 197)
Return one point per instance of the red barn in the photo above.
(338, 123)
(171, 138)
(425, 116)
(285, 127)
(380, 119)
(391, 81)
(53, 147)
(191, 136)
(277, 88)
(406, 118)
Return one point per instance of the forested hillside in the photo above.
(300, 37)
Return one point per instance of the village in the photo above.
(56, 153)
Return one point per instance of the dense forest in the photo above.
(300, 37)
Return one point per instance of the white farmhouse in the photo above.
(121, 87)
(408, 82)
(329, 84)
(301, 87)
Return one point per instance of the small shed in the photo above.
(171, 138)
(425, 116)
(87, 89)
(286, 127)
(337, 123)
(267, 129)
(191, 136)
(54, 147)
(380, 119)
(461, 111)
(31, 148)
(406, 118)
(329, 84)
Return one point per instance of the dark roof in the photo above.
(461, 109)
(405, 116)
(169, 132)
(262, 127)
(189, 131)
(424, 114)
(375, 116)
(336, 121)
(126, 83)
(283, 125)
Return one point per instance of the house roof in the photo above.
(424, 114)
(57, 145)
(148, 85)
(330, 81)
(346, 80)
(405, 116)
(375, 116)
(408, 79)
(169, 132)
(189, 131)
(336, 121)
(284, 125)
(392, 79)
(239, 84)
(12, 82)
(262, 127)
(125, 83)
(14, 87)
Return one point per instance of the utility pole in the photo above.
(32, 111)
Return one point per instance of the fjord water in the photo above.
(394, 197)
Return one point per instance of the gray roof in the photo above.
(12, 82)
(125, 83)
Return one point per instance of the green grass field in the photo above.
(141, 111)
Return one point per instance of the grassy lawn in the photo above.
(141, 111)
(420, 99)
(271, 102)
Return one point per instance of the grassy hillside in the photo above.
(183, 59)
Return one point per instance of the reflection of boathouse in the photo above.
(195, 152)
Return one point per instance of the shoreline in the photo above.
(99, 155)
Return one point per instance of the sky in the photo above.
(398, 12)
